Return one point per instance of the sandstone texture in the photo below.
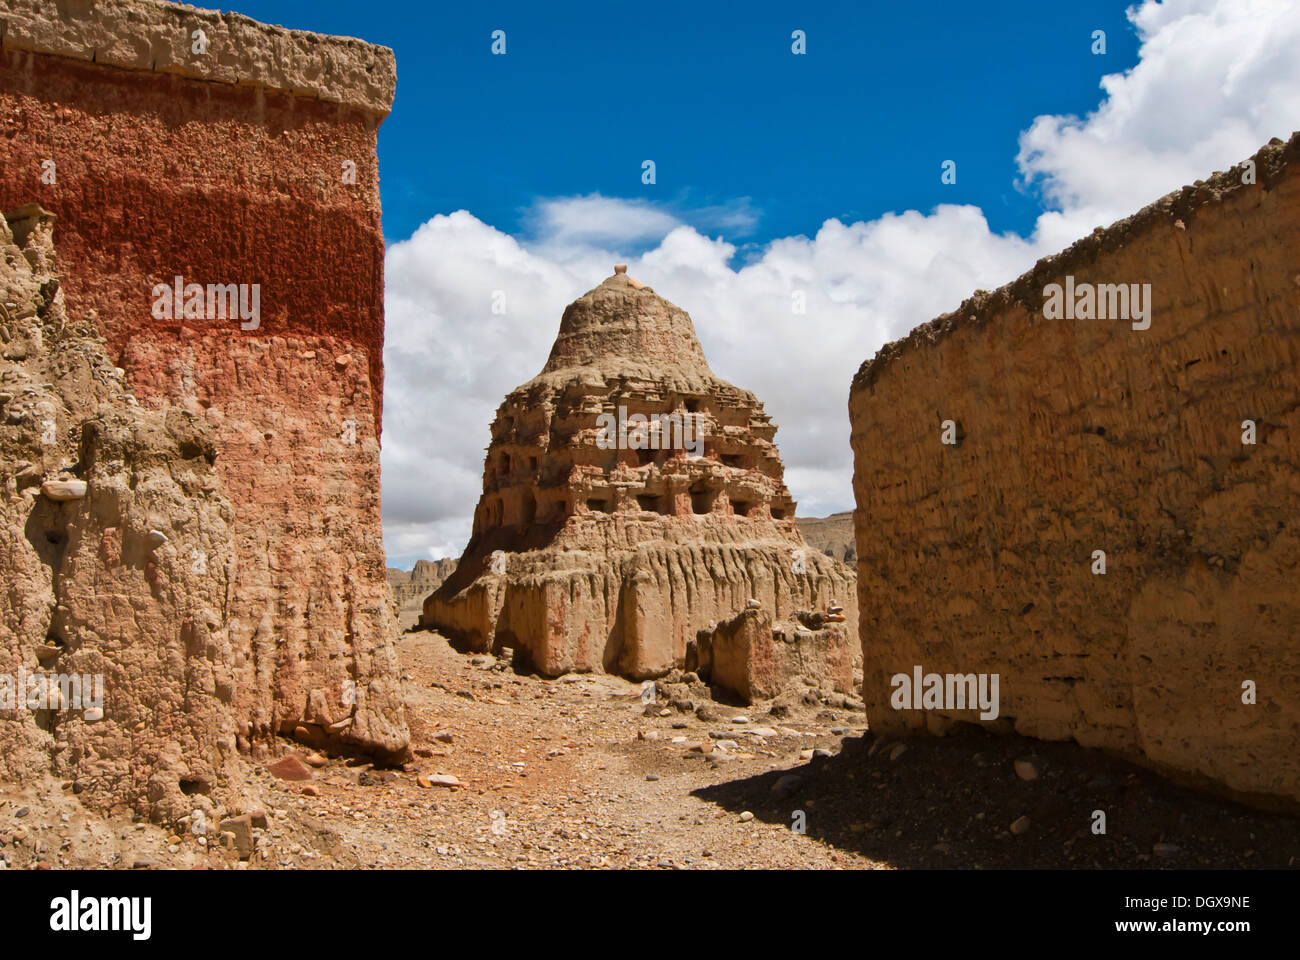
(758, 660)
(630, 499)
(118, 552)
(227, 170)
(1077, 436)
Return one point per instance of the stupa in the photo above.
(631, 498)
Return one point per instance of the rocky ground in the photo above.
(516, 771)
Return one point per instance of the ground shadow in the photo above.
(950, 802)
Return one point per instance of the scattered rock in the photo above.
(241, 828)
(289, 767)
(786, 784)
(1019, 826)
(1028, 768)
(64, 490)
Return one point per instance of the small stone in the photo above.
(64, 490)
(652, 776)
(1028, 768)
(22, 812)
(1166, 850)
(786, 784)
(1019, 826)
(444, 736)
(290, 768)
(746, 817)
(156, 538)
(443, 780)
(740, 719)
(897, 751)
(93, 714)
(314, 759)
(310, 790)
(242, 828)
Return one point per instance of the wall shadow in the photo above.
(949, 802)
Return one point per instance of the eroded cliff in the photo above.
(240, 172)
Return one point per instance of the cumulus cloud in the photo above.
(1214, 81)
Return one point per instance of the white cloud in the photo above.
(1215, 80)
(562, 225)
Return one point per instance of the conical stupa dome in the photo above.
(623, 329)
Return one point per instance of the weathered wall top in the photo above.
(1027, 290)
(156, 36)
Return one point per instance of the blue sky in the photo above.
(517, 179)
(711, 92)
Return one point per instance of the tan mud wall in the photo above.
(1085, 435)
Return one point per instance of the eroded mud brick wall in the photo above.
(229, 160)
(1083, 435)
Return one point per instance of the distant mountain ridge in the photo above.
(421, 580)
(831, 535)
